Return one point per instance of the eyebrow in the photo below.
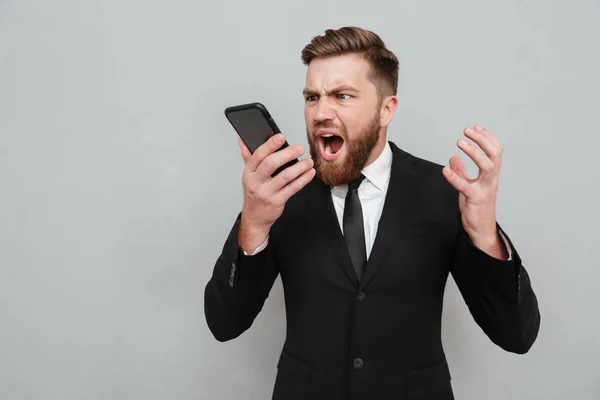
(343, 88)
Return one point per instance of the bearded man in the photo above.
(364, 236)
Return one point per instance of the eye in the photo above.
(311, 98)
(341, 96)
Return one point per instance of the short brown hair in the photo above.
(366, 44)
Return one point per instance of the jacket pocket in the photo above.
(293, 377)
(428, 379)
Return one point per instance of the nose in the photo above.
(324, 110)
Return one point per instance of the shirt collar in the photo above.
(378, 171)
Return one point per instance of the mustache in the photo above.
(327, 125)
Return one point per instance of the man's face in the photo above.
(342, 115)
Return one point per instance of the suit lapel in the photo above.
(397, 207)
(320, 204)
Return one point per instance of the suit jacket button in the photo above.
(358, 363)
(360, 297)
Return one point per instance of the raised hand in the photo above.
(477, 197)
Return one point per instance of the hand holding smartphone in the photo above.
(266, 191)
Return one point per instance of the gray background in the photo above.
(120, 179)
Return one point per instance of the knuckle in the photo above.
(275, 138)
(306, 177)
(288, 152)
(274, 146)
(284, 154)
(251, 190)
(250, 193)
(250, 164)
(293, 186)
(495, 151)
(489, 167)
(271, 162)
(298, 183)
(286, 175)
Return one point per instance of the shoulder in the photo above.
(403, 158)
(430, 179)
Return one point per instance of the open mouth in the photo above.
(331, 146)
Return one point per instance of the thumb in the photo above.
(457, 166)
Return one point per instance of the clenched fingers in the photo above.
(265, 150)
(294, 186)
(289, 174)
(275, 160)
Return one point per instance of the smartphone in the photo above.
(255, 126)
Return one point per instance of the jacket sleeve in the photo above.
(238, 288)
(498, 293)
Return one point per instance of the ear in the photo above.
(388, 110)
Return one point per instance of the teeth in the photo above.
(328, 135)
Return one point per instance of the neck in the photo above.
(378, 149)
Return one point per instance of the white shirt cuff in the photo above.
(508, 249)
(260, 248)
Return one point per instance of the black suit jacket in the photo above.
(379, 338)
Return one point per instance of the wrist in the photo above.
(251, 235)
(251, 227)
(487, 240)
(490, 244)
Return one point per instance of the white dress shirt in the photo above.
(371, 193)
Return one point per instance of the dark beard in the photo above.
(358, 149)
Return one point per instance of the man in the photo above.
(365, 248)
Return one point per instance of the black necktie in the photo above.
(354, 231)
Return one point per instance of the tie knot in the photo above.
(355, 183)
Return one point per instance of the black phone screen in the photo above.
(252, 127)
